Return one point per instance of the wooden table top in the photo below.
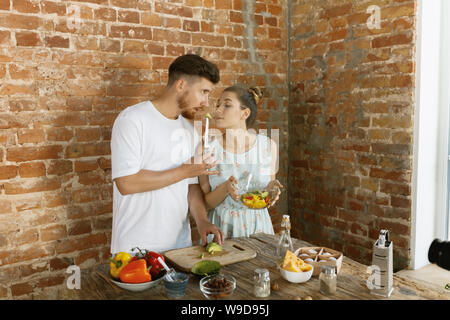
(351, 281)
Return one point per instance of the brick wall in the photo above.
(351, 124)
(67, 68)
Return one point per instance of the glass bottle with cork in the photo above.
(285, 242)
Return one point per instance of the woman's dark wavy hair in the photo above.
(193, 65)
(249, 98)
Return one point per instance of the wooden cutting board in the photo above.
(185, 258)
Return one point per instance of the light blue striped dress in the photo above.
(232, 217)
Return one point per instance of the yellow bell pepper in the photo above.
(118, 262)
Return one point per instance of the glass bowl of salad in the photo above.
(255, 200)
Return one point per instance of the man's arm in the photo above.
(146, 180)
(198, 211)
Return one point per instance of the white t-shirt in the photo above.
(157, 220)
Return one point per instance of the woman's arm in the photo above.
(216, 197)
(274, 185)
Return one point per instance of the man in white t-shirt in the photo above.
(155, 175)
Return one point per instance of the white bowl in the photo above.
(136, 287)
(296, 277)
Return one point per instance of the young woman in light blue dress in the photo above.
(242, 154)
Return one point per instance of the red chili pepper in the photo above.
(267, 200)
(249, 198)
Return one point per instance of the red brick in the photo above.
(21, 154)
(110, 45)
(28, 203)
(56, 232)
(128, 16)
(105, 14)
(5, 206)
(50, 7)
(86, 165)
(60, 263)
(336, 11)
(388, 41)
(60, 167)
(28, 39)
(124, 3)
(172, 36)
(25, 6)
(27, 270)
(191, 25)
(84, 195)
(91, 178)
(391, 188)
(397, 149)
(8, 172)
(30, 136)
(59, 134)
(129, 62)
(5, 37)
(80, 227)
(102, 118)
(73, 245)
(18, 21)
(131, 32)
(104, 163)
(394, 227)
(54, 199)
(35, 251)
(167, 8)
(400, 202)
(21, 289)
(38, 185)
(54, 280)
(26, 237)
(32, 169)
(57, 42)
(20, 72)
(4, 5)
(235, 16)
(88, 150)
(392, 12)
(22, 105)
(359, 229)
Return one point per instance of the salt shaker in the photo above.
(262, 283)
(328, 280)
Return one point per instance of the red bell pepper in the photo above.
(135, 271)
(152, 259)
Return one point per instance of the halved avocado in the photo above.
(206, 268)
(213, 247)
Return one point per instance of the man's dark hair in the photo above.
(193, 65)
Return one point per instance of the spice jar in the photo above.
(262, 283)
(328, 280)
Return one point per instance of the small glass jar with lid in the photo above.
(261, 283)
(328, 280)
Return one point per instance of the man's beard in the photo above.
(183, 105)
